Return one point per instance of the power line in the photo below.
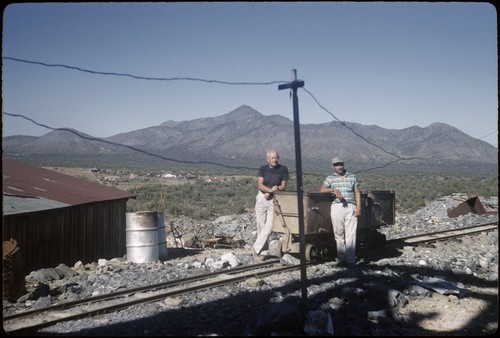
(375, 145)
(144, 77)
(398, 158)
(485, 136)
(91, 138)
(355, 133)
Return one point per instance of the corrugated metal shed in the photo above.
(57, 218)
(24, 180)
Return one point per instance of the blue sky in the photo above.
(394, 65)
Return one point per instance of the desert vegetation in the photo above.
(202, 199)
(205, 192)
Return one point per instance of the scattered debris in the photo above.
(216, 242)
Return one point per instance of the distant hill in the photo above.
(244, 133)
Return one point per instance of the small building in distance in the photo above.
(57, 218)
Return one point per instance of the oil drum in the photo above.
(142, 236)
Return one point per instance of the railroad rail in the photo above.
(443, 235)
(30, 321)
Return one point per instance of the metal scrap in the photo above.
(472, 205)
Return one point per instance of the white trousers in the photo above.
(264, 213)
(344, 228)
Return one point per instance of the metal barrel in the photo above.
(142, 236)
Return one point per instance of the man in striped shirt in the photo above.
(345, 210)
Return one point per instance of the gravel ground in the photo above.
(446, 288)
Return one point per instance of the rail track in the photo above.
(30, 321)
(443, 235)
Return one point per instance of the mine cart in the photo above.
(378, 209)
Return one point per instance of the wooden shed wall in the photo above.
(79, 233)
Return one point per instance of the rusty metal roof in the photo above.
(47, 188)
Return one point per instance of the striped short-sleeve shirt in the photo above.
(345, 185)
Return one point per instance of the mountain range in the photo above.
(244, 133)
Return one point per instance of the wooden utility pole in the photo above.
(298, 164)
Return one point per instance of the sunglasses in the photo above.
(337, 164)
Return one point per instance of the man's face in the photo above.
(272, 159)
(338, 167)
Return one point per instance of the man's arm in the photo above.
(357, 194)
(282, 185)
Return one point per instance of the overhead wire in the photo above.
(398, 157)
(144, 77)
(91, 138)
